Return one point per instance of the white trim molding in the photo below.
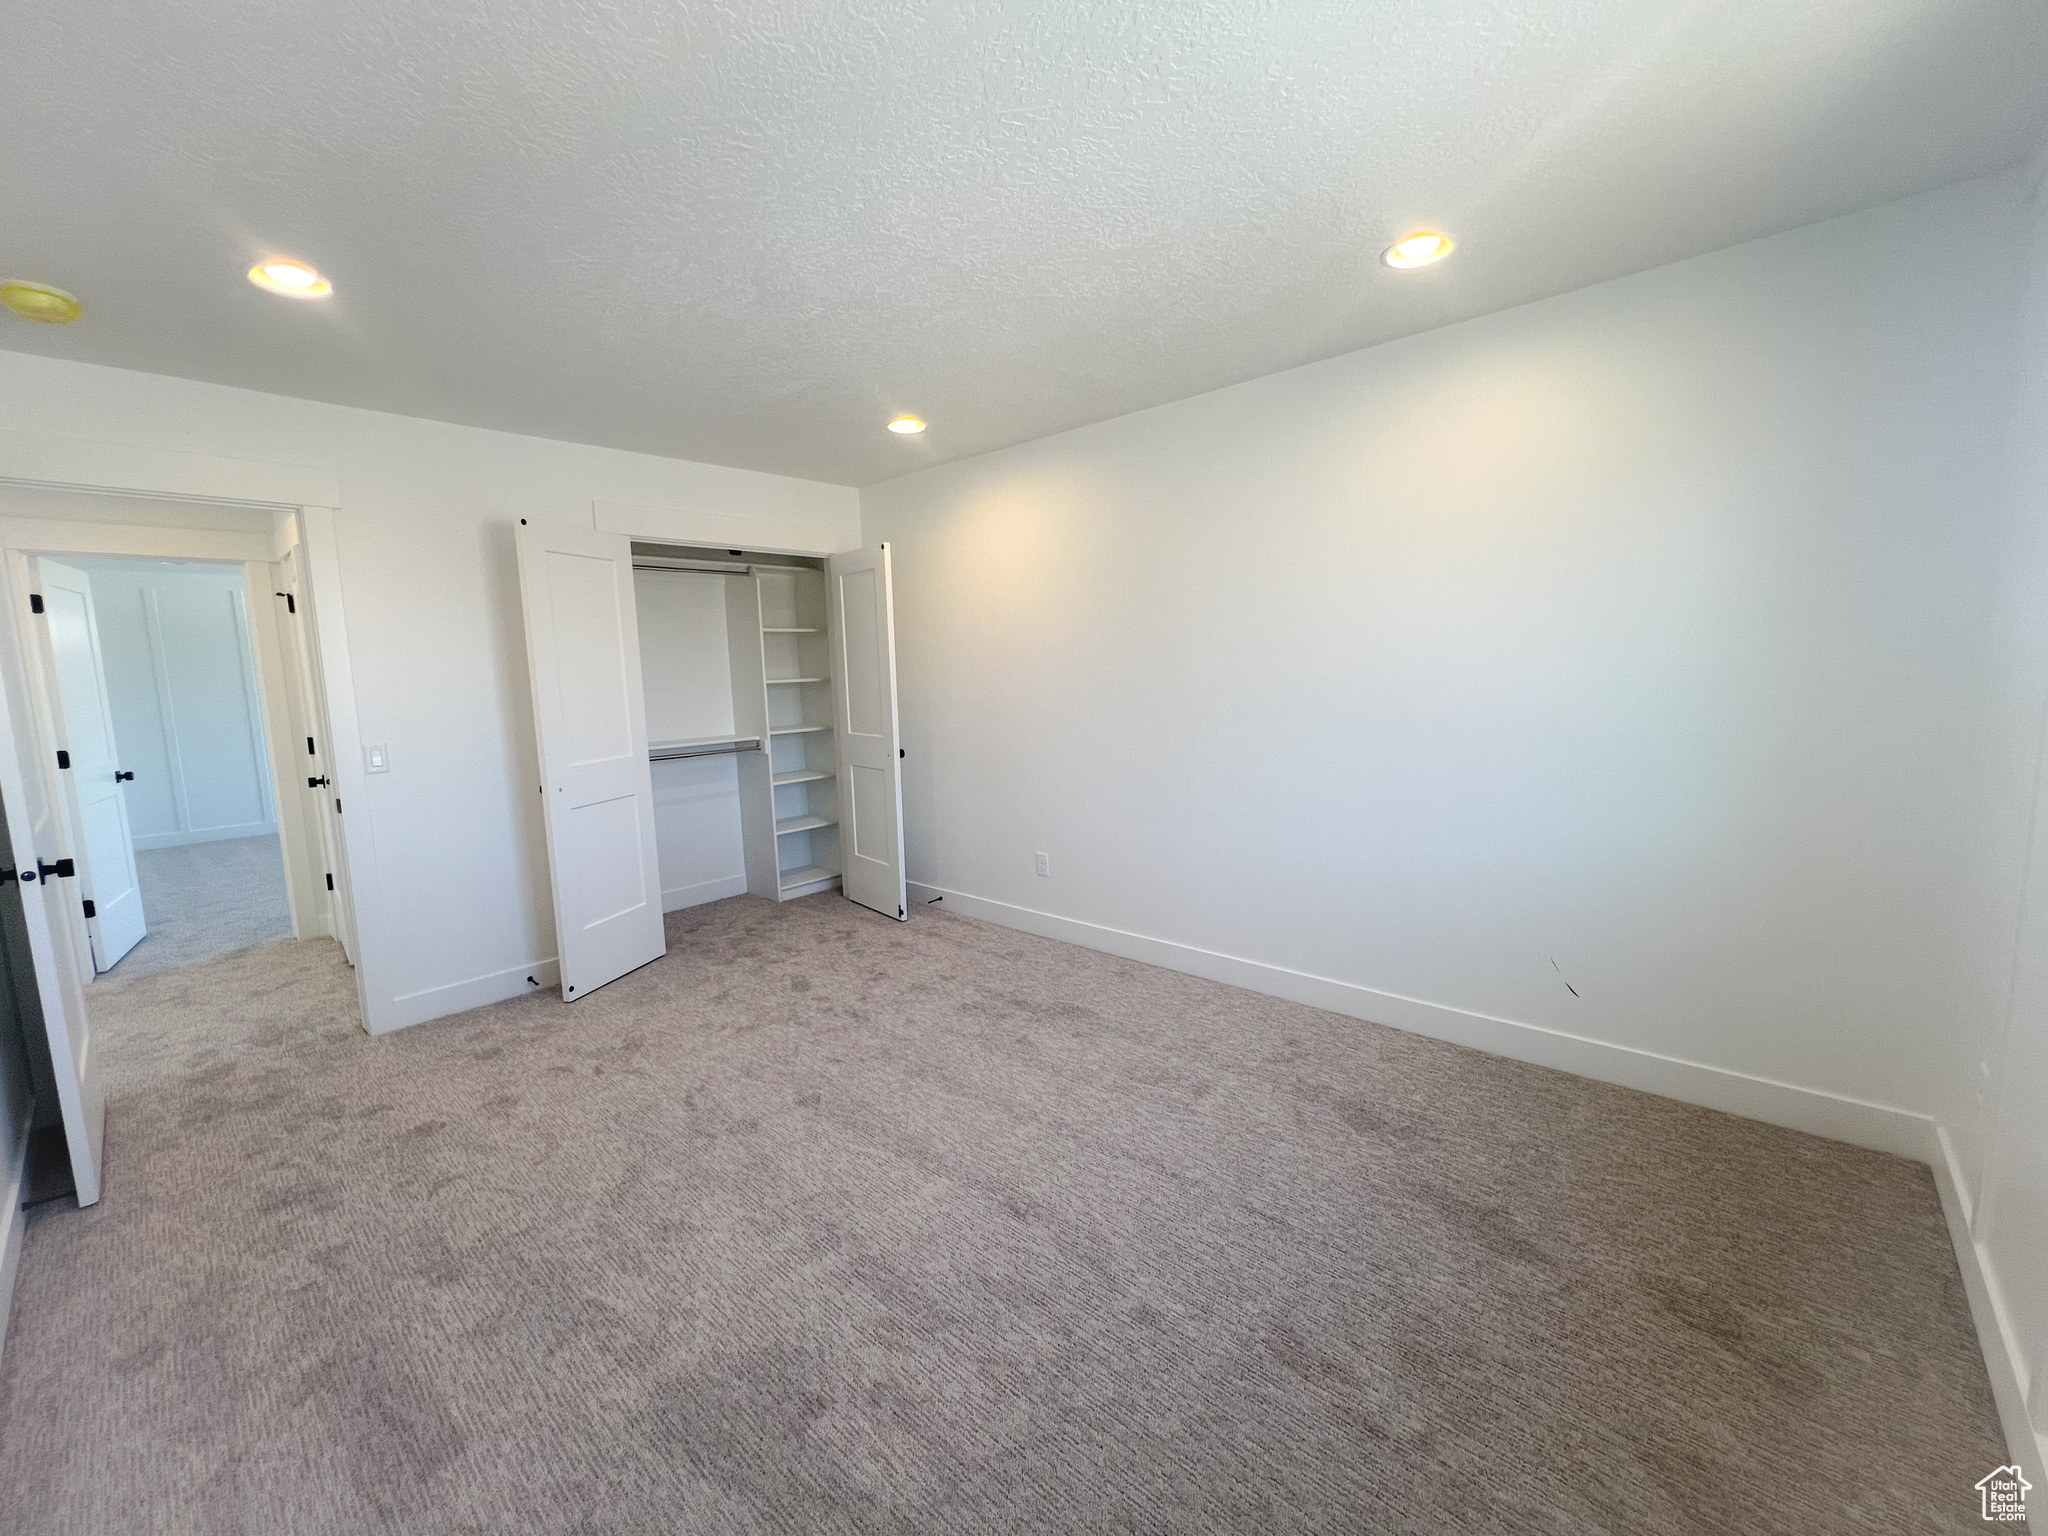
(60, 536)
(677, 897)
(690, 525)
(126, 469)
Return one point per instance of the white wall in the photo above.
(181, 679)
(432, 603)
(686, 666)
(1615, 665)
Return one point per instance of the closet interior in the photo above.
(735, 665)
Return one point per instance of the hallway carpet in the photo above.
(827, 1224)
(204, 900)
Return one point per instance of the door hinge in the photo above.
(63, 758)
(310, 752)
(91, 910)
(330, 882)
(291, 604)
(337, 805)
(35, 602)
(320, 783)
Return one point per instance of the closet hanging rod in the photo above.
(720, 749)
(705, 568)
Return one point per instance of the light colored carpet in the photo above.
(205, 900)
(827, 1224)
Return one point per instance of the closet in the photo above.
(709, 721)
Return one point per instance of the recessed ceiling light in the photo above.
(909, 426)
(1423, 248)
(293, 279)
(39, 301)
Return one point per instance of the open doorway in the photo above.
(166, 711)
(155, 693)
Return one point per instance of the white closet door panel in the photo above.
(85, 730)
(863, 621)
(583, 649)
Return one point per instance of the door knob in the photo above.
(120, 774)
(319, 783)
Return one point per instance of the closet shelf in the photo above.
(771, 630)
(810, 874)
(803, 824)
(795, 730)
(774, 680)
(802, 776)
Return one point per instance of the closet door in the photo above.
(590, 716)
(863, 620)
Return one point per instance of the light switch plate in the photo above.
(376, 760)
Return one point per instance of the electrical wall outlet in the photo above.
(1044, 864)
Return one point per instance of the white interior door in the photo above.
(289, 745)
(590, 718)
(85, 731)
(39, 841)
(863, 620)
(315, 766)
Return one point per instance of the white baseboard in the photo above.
(16, 1228)
(2004, 1359)
(677, 897)
(478, 991)
(148, 840)
(1881, 1127)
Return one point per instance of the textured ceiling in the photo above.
(749, 231)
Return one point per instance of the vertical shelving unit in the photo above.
(802, 767)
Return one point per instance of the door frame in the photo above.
(279, 692)
(305, 503)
